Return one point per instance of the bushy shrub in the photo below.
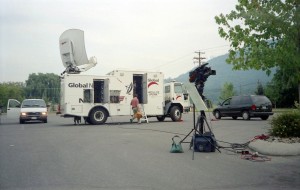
(286, 125)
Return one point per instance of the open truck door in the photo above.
(13, 109)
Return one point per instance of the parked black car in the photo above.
(246, 106)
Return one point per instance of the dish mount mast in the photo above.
(73, 53)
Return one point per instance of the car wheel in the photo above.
(246, 115)
(175, 114)
(45, 121)
(22, 121)
(217, 115)
(264, 117)
(98, 116)
(234, 117)
(160, 118)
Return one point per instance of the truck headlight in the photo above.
(23, 113)
(44, 113)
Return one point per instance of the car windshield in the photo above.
(261, 100)
(34, 103)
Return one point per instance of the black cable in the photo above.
(155, 130)
(235, 146)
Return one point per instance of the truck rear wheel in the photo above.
(98, 116)
(175, 113)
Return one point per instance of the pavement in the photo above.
(275, 148)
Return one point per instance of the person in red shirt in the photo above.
(134, 106)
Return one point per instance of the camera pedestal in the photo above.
(202, 140)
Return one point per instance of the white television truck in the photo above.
(95, 98)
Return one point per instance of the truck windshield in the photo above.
(178, 88)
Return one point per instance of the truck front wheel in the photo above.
(98, 116)
(175, 113)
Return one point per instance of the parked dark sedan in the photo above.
(246, 106)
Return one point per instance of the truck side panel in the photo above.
(81, 93)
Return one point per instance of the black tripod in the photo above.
(199, 129)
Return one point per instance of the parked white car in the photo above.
(30, 109)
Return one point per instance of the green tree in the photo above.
(46, 86)
(227, 91)
(264, 34)
(11, 90)
(259, 89)
(279, 93)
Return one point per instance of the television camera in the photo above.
(199, 77)
(203, 139)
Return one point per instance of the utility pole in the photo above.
(199, 58)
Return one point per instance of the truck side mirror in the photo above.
(185, 96)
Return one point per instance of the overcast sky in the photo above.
(154, 35)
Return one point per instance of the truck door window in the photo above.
(114, 96)
(167, 89)
(87, 96)
(178, 88)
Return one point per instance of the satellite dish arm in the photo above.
(85, 67)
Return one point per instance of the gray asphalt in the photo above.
(121, 155)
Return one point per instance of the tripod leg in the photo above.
(182, 141)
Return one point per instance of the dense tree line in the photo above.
(45, 86)
(277, 91)
(11, 90)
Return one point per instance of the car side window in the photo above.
(235, 101)
(226, 102)
(14, 104)
(246, 100)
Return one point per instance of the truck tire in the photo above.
(175, 113)
(160, 117)
(98, 116)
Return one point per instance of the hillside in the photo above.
(244, 82)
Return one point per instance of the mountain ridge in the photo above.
(244, 81)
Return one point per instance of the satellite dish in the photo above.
(73, 53)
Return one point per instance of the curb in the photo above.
(275, 148)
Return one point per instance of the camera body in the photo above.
(199, 77)
(201, 73)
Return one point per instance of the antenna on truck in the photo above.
(73, 53)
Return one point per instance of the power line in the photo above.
(172, 61)
(184, 56)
